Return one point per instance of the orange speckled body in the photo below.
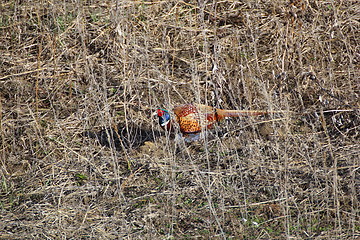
(193, 119)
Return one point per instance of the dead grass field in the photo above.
(83, 158)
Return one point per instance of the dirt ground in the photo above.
(83, 156)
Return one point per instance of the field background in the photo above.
(82, 157)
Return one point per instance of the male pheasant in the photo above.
(193, 118)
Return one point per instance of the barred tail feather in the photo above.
(240, 113)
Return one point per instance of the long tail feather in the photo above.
(222, 113)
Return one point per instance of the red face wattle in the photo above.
(160, 112)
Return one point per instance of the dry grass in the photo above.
(70, 69)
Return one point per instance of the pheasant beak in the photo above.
(154, 114)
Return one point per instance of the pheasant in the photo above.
(194, 118)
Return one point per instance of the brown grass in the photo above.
(76, 75)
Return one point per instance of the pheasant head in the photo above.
(164, 118)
